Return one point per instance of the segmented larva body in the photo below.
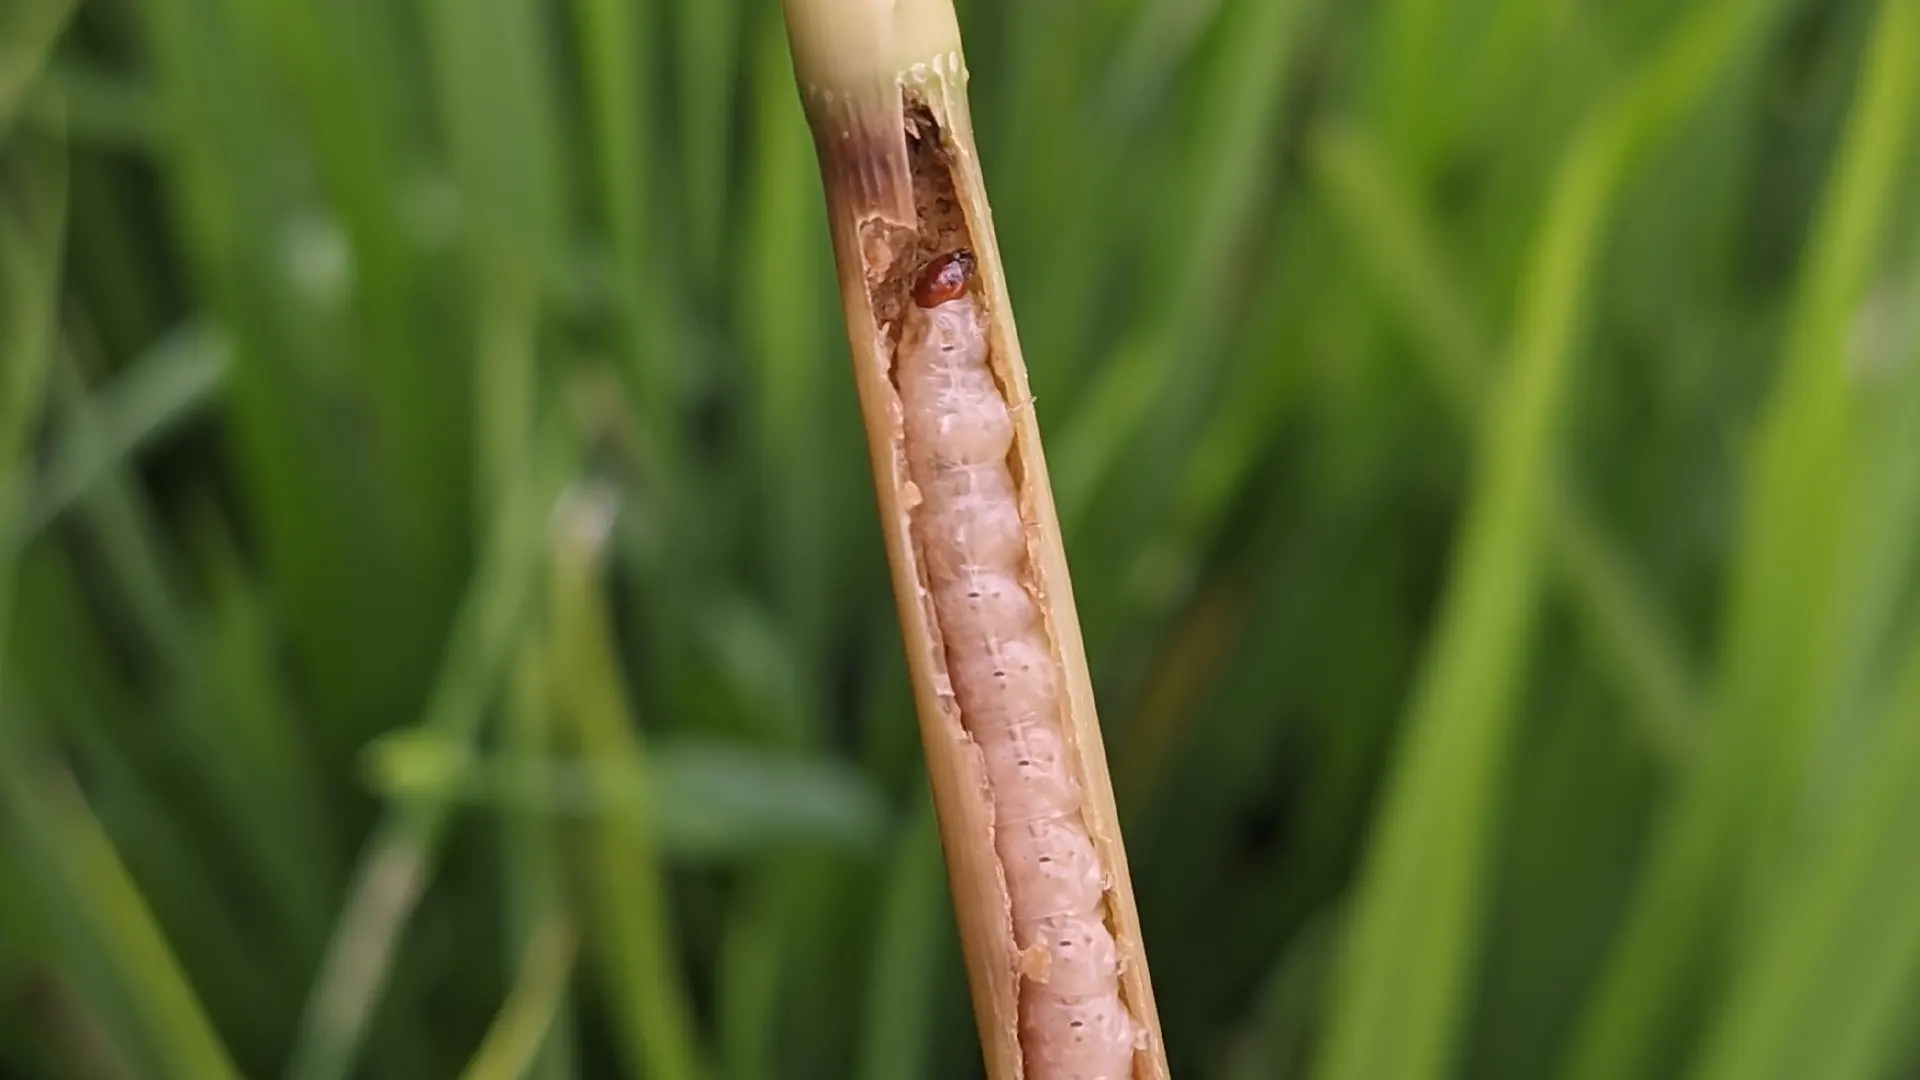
(959, 432)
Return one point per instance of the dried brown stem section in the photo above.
(1013, 748)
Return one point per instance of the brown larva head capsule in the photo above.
(944, 279)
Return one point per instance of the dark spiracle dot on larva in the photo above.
(944, 279)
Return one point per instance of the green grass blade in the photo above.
(1629, 630)
(705, 800)
(705, 50)
(1160, 383)
(1779, 678)
(751, 967)
(632, 934)
(527, 1020)
(1397, 246)
(354, 132)
(28, 31)
(1412, 941)
(802, 415)
(1415, 930)
(1825, 976)
(398, 859)
(71, 858)
(1270, 1044)
(95, 109)
(534, 871)
(914, 922)
(615, 40)
(161, 390)
(253, 768)
(492, 70)
(1622, 615)
(33, 215)
(363, 588)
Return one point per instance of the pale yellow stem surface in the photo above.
(884, 85)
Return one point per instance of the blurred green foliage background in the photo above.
(447, 634)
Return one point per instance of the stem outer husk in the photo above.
(884, 90)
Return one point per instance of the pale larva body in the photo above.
(959, 432)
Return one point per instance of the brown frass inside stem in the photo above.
(894, 252)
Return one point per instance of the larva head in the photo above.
(945, 278)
